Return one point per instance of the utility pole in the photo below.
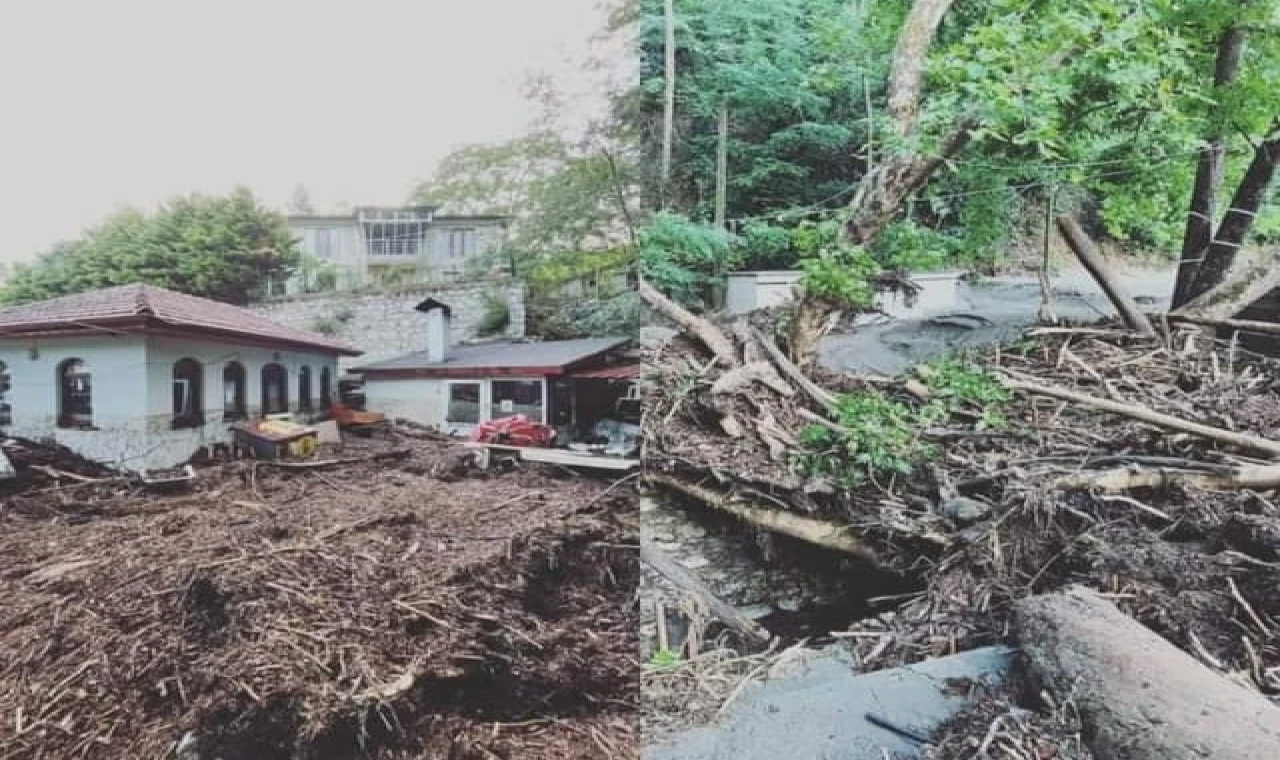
(722, 166)
(669, 104)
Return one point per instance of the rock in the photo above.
(964, 510)
(1139, 697)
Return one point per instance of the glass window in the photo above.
(464, 403)
(275, 389)
(304, 389)
(188, 393)
(326, 389)
(75, 395)
(233, 391)
(511, 397)
(6, 412)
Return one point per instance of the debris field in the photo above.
(394, 602)
(1141, 467)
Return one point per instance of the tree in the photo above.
(300, 202)
(222, 248)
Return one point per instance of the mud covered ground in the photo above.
(410, 607)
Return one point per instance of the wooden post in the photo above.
(669, 99)
(722, 166)
(1087, 252)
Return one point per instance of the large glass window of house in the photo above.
(6, 412)
(509, 397)
(275, 389)
(75, 395)
(395, 238)
(323, 248)
(233, 391)
(464, 404)
(462, 243)
(188, 393)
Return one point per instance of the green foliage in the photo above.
(833, 270)
(565, 319)
(685, 259)
(1099, 104)
(325, 326)
(662, 659)
(496, 316)
(216, 247)
(881, 437)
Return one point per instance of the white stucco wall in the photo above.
(132, 387)
(426, 400)
(117, 366)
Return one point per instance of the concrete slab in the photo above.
(816, 708)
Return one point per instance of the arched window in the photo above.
(6, 412)
(233, 391)
(326, 389)
(75, 395)
(188, 393)
(275, 389)
(304, 389)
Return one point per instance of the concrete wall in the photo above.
(385, 325)
(132, 393)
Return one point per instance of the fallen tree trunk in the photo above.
(1117, 480)
(689, 583)
(1243, 285)
(1138, 696)
(793, 373)
(817, 532)
(1088, 253)
(711, 336)
(1150, 416)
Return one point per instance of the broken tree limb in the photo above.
(793, 373)
(711, 336)
(1150, 416)
(1138, 696)
(1088, 253)
(1245, 283)
(1120, 479)
(1238, 325)
(742, 377)
(690, 584)
(817, 532)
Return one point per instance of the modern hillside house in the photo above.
(140, 377)
(381, 245)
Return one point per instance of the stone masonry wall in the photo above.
(385, 325)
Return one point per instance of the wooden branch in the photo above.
(323, 463)
(817, 532)
(689, 583)
(1239, 325)
(1152, 417)
(1087, 252)
(742, 377)
(1243, 285)
(906, 72)
(1120, 479)
(711, 336)
(793, 373)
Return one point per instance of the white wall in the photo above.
(132, 386)
(117, 366)
(426, 400)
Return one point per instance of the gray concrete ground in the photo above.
(816, 708)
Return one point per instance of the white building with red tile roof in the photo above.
(141, 377)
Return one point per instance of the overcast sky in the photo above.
(105, 103)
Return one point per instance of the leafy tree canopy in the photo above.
(219, 247)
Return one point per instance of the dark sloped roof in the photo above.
(558, 354)
(149, 304)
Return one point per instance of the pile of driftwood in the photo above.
(1141, 460)
(362, 606)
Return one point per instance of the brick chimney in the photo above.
(438, 318)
